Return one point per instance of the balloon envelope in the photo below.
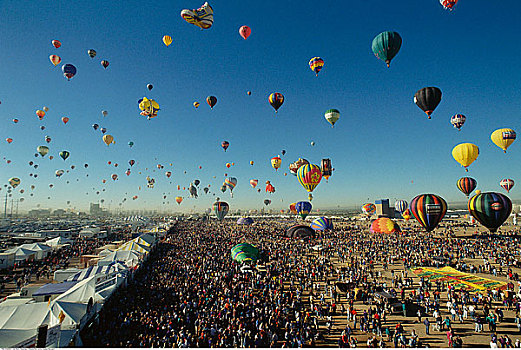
(466, 185)
(384, 225)
(490, 209)
(321, 224)
(428, 209)
(303, 209)
(386, 45)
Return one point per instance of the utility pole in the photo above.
(5, 207)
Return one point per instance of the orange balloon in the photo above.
(9, 140)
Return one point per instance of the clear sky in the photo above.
(383, 146)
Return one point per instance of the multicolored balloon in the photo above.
(406, 215)
(490, 209)
(211, 100)
(316, 64)
(448, 4)
(332, 116)
(369, 209)
(276, 162)
(55, 59)
(309, 176)
(429, 210)
(507, 184)
(321, 224)
(457, 120)
(225, 145)
(292, 208)
(400, 205)
(466, 185)
(245, 252)
(384, 225)
(69, 71)
(201, 17)
(276, 100)
(221, 209)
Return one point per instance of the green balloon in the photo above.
(386, 45)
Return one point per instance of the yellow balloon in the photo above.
(167, 39)
(465, 154)
(108, 139)
(196, 104)
(503, 138)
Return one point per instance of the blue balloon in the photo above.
(303, 209)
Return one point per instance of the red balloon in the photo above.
(245, 32)
(56, 43)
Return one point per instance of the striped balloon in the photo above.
(400, 205)
(466, 185)
(491, 209)
(384, 225)
(316, 64)
(321, 224)
(507, 184)
(276, 100)
(309, 176)
(428, 209)
(221, 209)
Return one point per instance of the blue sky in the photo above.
(382, 142)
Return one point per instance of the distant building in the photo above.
(383, 209)
(97, 210)
(39, 213)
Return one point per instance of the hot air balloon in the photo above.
(225, 145)
(105, 63)
(368, 209)
(168, 174)
(303, 209)
(292, 208)
(428, 99)
(293, 167)
(251, 162)
(92, 53)
(48, 139)
(276, 100)
(254, 183)
(196, 104)
(104, 113)
(507, 184)
(406, 215)
(40, 114)
(321, 224)
(326, 168)
(64, 154)
(201, 17)
(65, 120)
(269, 187)
(245, 252)
(309, 176)
(148, 107)
(114, 177)
(332, 116)
(457, 120)
(43, 150)
(386, 45)
(276, 162)
(56, 43)
(384, 225)
(14, 182)
(103, 130)
(228, 165)
(9, 140)
(211, 100)
(193, 191)
(221, 209)
(310, 197)
(503, 138)
(178, 200)
(248, 93)
(59, 173)
(400, 206)
(206, 189)
(312, 143)
(46, 109)
(108, 139)
(68, 71)
(466, 185)
(150, 86)
(267, 202)
(465, 154)
(127, 172)
(448, 4)
(15, 120)
(245, 32)
(55, 59)
(167, 40)
(316, 64)
(231, 182)
(95, 126)
(428, 209)
(131, 162)
(491, 209)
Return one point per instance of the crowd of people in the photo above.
(190, 293)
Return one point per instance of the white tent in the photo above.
(58, 241)
(25, 316)
(134, 247)
(22, 253)
(129, 258)
(72, 313)
(42, 250)
(7, 260)
(105, 252)
(10, 338)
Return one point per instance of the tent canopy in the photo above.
(54, 288)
